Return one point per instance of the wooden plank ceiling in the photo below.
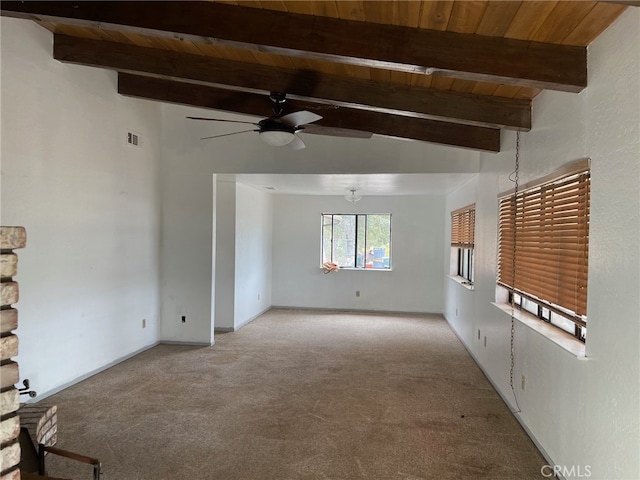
(449, 72)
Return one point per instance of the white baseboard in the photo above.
(517, 416)
(59, 388)
(323, 309)
(354, 310)
(240, 325)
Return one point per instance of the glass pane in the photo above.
(344, 240)
(357, 241)
(530, 306)
(378, 241)
(465, 263)
(327, 224)
(562, 322)
(361, 245)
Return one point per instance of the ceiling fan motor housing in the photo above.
(271, 125)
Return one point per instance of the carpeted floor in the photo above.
(298, 395)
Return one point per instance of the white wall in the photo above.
(458, 300)
(198, 230)
(253, 259)
(90, 205)
(243, 254)
(582, 412)
(188, 236)
(413, 285)
(225, 253)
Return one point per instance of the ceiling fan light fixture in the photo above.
(277, 138)
(353, 197)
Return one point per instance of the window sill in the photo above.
(462, 281)
(555, 335)
(347, 269)
(367, 269)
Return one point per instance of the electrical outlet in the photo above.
(485, 340)
(456, 311)
(258, 297)
(522, 382)
(478, 334)
(184, 319)
(144, 323)
(357, 293)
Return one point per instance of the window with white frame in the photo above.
(543, 246)
(357, 240)
(463, 223)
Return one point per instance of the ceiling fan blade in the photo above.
(300, 118)
(336, 132)
(221, 120)
(227, 134)
(296, 143)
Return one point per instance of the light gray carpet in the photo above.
(298, 395)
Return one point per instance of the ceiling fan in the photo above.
(279, 130)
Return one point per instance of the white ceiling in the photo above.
(371, 184)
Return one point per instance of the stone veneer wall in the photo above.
(11, 238)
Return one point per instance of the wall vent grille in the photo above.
(134, 139)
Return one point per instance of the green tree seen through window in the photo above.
(357, 240)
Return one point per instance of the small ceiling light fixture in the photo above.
(277, 138)
(353, 197)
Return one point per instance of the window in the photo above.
(357, 241)
(463, 223)
(543, 244)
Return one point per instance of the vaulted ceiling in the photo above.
(447, 72)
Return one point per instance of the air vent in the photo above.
(134, 139)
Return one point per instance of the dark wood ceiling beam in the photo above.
(365, 94)
(474, 57)
(453, 134)
(628, 3)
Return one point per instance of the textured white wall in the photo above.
(90, 204)
(225, 253)
(413, 285)
(253, 259)
(582, 412)
(188, 235)
(458, 301)
(612, 414)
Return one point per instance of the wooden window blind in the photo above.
(463, 223)
(547, 228)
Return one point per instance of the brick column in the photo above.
(11, 238)
(41, 421)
